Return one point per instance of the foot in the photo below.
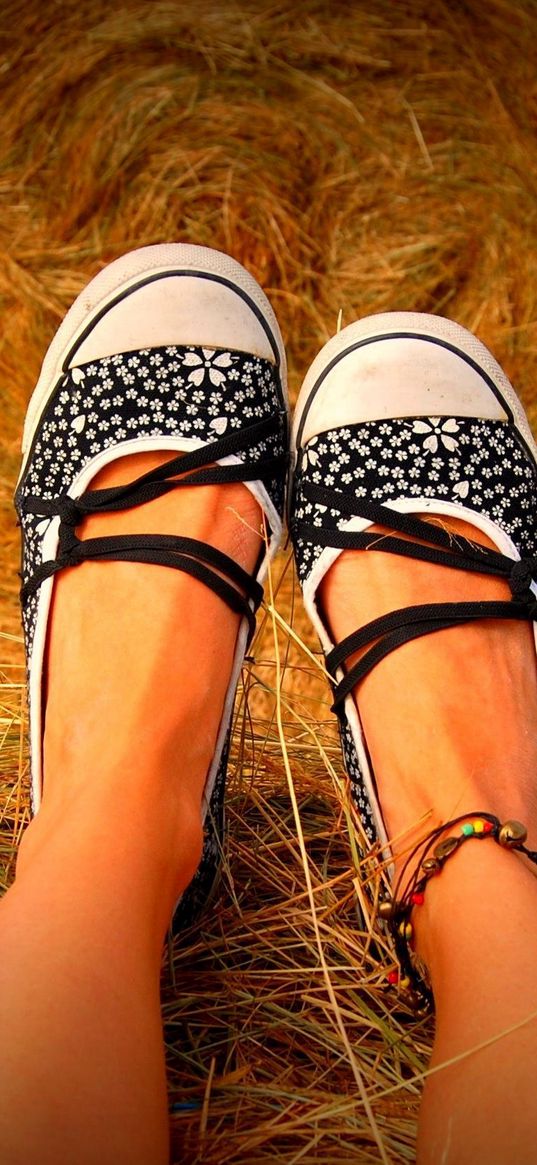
(126, 683)
(133, 665)
(399, 410)
(449, 719)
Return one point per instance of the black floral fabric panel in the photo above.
(482, 465)
(188, 392)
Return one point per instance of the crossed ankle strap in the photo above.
(237, 588)
(444, 549)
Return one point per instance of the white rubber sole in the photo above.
(379, 367)
(233, 308)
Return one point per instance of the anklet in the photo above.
(433, 854)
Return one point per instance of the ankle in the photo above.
(137, 842)
(478, 907)
(448, 718)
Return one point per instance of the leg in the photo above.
(117, 838)
(173, 365)
(450, 723)
(400, 415)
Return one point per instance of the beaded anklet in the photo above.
(433, 854)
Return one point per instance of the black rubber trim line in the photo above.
(400, 336)
(170, 275)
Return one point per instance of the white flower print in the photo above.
(219, 425)
(437, 432)
(209, 364)
(310, 455)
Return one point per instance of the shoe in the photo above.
(404, 414)
(170, 347)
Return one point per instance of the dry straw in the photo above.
(356, 157)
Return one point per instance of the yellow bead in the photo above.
(405, 982)
(479, 826)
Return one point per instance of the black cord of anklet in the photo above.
(427, 860)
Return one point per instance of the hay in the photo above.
(356, 158)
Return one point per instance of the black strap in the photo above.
(437, 545)
(217, 570)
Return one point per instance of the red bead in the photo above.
(393, 977)
(417, 899)
(487, 827)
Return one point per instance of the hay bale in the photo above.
(356, 159)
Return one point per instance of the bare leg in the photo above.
(450, 723)
(139, 662)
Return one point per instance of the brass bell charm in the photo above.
(512, 833)
(430, 865)
(385, 909)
